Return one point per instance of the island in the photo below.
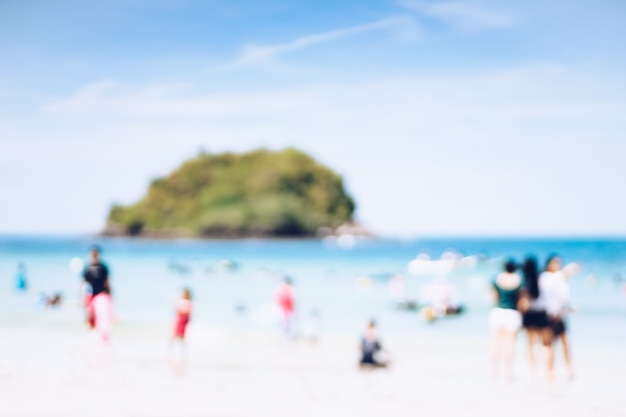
(261, 193)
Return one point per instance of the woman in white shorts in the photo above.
(504, 319)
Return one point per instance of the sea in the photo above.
(339, 286)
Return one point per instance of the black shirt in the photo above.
(96, 275)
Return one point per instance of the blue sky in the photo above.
(452, 117)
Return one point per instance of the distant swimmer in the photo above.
(54, 300)
(96, 276)
(21, 283)
(285, 299)
(554, 288)
(371, 349)
(441, 300)
(504, 319)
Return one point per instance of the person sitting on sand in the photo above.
(371, 349)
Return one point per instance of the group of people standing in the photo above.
(536, 301)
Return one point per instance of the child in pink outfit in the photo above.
(285, 299)
(102, 305)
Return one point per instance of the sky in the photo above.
(446, 118)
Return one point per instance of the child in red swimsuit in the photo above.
(183, 315)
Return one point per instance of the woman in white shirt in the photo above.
(554, 291)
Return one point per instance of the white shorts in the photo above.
(504, 319)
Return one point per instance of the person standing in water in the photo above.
(21, 283)
(285, 299)
(554, 289)
(504, 319)
(534, 317)
(96, 275)
(183, 316)
(102, 306)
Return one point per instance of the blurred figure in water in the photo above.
(96, 276)
(102, 306)
(314, 326)
(21, 283)
(534, 316)
(49, 301)
(371, 349)
(555, 291)
(183, 316)
(285, 299)
(397, 289)
(441, 300)
(504, 319)
(397, 292)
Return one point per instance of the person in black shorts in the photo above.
(96, 275)
(534, 316)
(370, 348)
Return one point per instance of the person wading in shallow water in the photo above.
(96, 275)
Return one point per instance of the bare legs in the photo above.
(567, 354)
(532, 339)
(503, 349)
(544, 337)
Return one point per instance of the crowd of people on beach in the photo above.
(526, 298)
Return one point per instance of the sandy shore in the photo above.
(60, 370)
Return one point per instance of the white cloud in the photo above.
(466, 15)
(402, 26)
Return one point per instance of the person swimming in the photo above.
(504, 319)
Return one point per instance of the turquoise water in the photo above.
(145, 283)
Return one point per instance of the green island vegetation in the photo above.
(260, 193)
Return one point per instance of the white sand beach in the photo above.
(53, 369)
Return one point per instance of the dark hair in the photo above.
(187, 292)
(95, 248)
(552, 257)
(510, 266)
(530, 270)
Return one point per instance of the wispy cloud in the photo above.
(464, 15)
(401, 26)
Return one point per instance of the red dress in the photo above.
(183, 315)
